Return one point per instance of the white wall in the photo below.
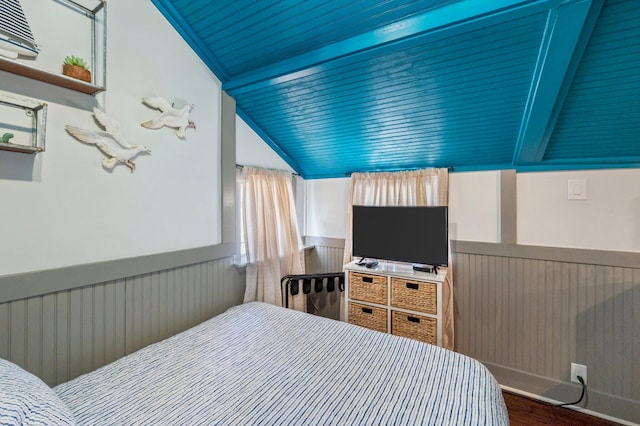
(326, 207)
(61, 208)
(251, 150)
(474, 206)
(609, 219)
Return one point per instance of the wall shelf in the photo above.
(80, 30)
(24, 121)
(14, 67)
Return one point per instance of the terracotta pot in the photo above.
(77, 72)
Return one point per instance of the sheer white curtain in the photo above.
(427, 187)
(272, 240)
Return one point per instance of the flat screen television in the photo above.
(417, 235)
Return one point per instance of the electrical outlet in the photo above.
(578, 370)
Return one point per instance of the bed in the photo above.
(261, 364)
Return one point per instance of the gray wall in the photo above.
(528, 312)
(58, 336)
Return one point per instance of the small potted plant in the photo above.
(76, 67)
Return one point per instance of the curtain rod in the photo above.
(401, 170)
(240, 166)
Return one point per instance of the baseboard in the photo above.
(552, 401)
(598, 404)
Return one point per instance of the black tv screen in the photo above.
(417, 235)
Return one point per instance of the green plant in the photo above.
(77, 61)
(6, 137)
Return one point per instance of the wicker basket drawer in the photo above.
(414, 295)
(368, 288)
(368, 316)
(414, 327)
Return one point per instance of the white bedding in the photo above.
(260, 364)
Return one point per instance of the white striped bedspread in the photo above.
(258, 364)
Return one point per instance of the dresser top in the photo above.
(397, 269)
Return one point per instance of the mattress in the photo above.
(261, 364)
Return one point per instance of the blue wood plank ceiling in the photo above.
(342, 86)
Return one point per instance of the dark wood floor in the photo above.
(526, 412)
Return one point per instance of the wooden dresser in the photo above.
(392, 298)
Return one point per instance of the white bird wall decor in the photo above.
(170, 116)
(110, 141)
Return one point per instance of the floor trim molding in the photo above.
(570, 407)
(548, 390)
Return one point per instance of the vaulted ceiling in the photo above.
(337, 86)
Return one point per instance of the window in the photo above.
(241, 249)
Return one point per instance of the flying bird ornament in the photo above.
(110, 141)
(170, 116)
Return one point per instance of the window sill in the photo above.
(241, 265)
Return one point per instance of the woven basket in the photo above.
(414, 295)
(368, 288)
(368, 316)
(414, 327)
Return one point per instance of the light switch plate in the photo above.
(577, 189)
